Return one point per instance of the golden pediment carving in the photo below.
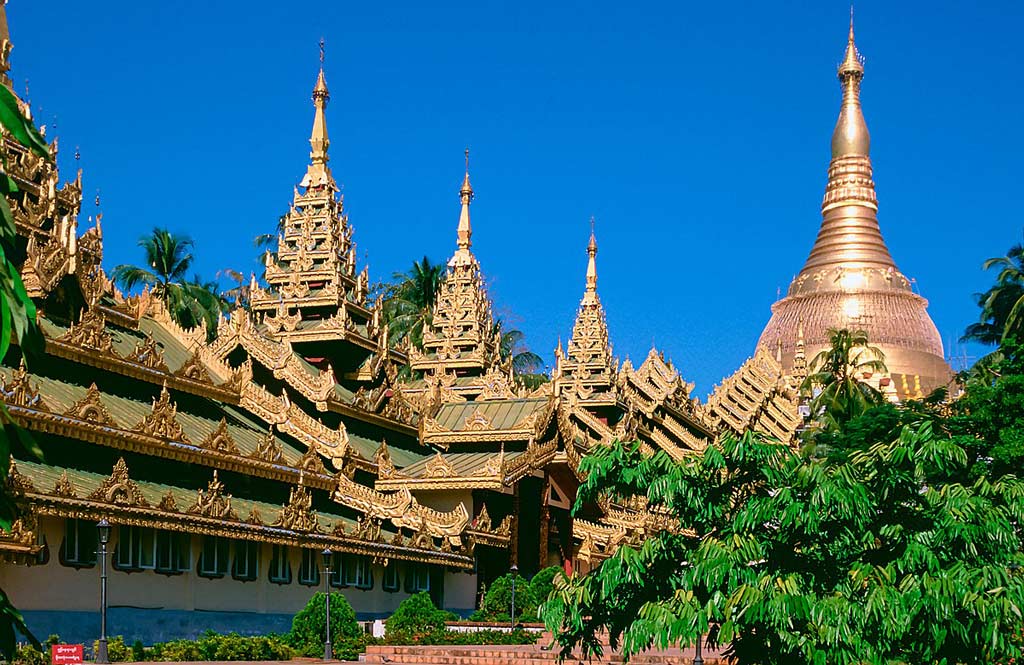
(149, 354)
(298, 514)
(162, 421)
(90, 409)
(213, 502)
(439, 467)
(119, 489)
(220, 440)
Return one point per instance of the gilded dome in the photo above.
(850, 279)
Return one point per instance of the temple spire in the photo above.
(5, 46)
(318, 174)
(590, 295)
(466, 196)
(851, 135)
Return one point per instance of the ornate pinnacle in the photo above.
(851, 133)
(590, 297)
(466, 196)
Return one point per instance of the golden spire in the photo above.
(318, 174)
(590, 295)
(466, 196)
(851, 135)
(5, 46)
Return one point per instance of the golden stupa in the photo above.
(850, 279)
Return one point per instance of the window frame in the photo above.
(309, 568)
(245, 564)
(220, 548)
(75, 527)
(173, 552)
(279, 570)
(135, 550)
(391, 571)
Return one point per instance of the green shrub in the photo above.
(309, 625)
(27, 654)
(542, 583)
(498, 601)
(349, 648)
(417, 615)
(117, 650)
(138, 651)
(211, 646)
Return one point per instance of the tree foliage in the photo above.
(17, 325)
(190, 302)
(835, 378)
(408, 301)
(1003, 303)
(893, 552)
(309, 626)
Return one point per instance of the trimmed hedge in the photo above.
(309, 627)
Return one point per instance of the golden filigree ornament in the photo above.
(298, 513)
(268, 449)
(220, 440)
(91, 409)
(439, 467)
(90, 333)
(64, 487)
(19, 391)
(213, 502)
(162, 421)
(120, 490)
(149, 354)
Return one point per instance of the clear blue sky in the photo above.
(696, 133)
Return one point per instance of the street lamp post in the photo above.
(327, 554)
(697, 658)
(515, 572)
(103, 530)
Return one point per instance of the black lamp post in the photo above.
(515, 572)
(103, 529)
(327, 554)
(697, 658)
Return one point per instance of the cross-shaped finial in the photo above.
(591, 225)
(78, 153)
(467, 160)
(321, 51)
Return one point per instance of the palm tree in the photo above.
(169, 258)
(526, 365)
(841, 395)
(1003, 304)
(408, 302)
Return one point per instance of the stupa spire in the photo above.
(850, 279)
(590, 295)
(319, 174)
(466, 196)
(5, 46)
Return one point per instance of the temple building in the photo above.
(850, 279)
(228, 459)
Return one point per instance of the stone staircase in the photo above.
(528, 654)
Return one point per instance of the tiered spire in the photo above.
(5, 46)
(319, 174)
(314, 292)
(850, 279)
(461, 338)
(587, 369)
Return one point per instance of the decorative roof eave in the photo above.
(74, 508)
(224, 393)
(490, 538)
(124, 439)
(400, 508)
(489, 482)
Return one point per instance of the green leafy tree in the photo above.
(17, 325)
(1002, 304)
(309, 626)
(885, 556)
(168, 259)
(839, 393)
(527, 366)
(408, 302)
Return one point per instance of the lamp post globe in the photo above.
(327, 555)
(103, 533)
